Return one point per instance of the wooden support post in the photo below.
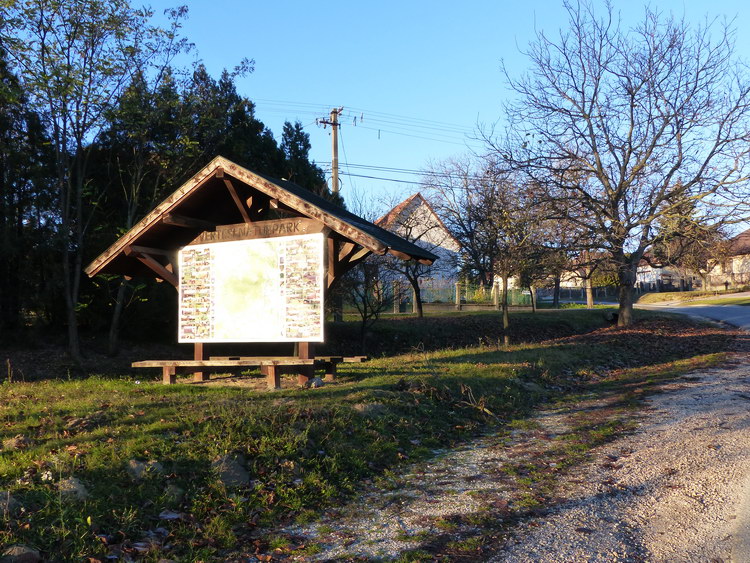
(168, 376)
(198, 357)
(496, 296)
(237, 201)
(273, 376)
(305, 351)
(159, 269)
(330, 371)
(458, 296)
(176, 220)
(396, 296)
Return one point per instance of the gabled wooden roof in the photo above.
(224, 193)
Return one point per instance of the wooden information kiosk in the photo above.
(252, 259)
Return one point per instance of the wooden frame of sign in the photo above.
(225, 202)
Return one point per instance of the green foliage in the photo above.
(27, 201)
(86, 150)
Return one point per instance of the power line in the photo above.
(393, 127)
(405, 171)
(413, 136)
(396, 180)
(369, 115)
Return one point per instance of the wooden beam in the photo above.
(157, 267)
(358, 256)
(344, 267)
(176, 220)
(345, 250)
(332, 261)
(136, 249)
(261, 229)
(399, 254)
(237, 201)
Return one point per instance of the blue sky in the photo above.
(418, 76)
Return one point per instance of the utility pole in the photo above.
(334, 123)
(335, 150)
(338, 301)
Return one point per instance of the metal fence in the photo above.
(470, 294)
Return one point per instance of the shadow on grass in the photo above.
(307, 447)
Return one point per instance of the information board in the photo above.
(258, 290)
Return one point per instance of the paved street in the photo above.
(736, 315)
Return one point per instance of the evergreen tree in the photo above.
(26, 203)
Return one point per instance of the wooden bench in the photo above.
(270, 367)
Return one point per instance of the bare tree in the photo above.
(457, 189)
(692, 248)
(364, 287)
(496, 218)
(620, 126)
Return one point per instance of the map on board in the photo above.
(258, 290)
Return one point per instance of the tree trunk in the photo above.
(74, 346)
(338, 307)
(556, 293)
(589, 294)
(625, 312)
(532, 295)
(363, 337)
(506, 315)
(417, 294)
(113, 343)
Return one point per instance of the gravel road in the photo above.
(673, 490)
(675, 494)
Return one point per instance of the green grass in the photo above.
(708, 297)
(393, 335)
(724, 301)
(305, 449)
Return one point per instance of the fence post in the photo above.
(458, 296)
(396, 296)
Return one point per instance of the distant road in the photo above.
(735, 315)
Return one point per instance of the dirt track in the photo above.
(675, 495)
(670, 491)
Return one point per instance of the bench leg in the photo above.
(304, 374)
(330, 371)
(273, 376)
(198, 356)
(168, 375)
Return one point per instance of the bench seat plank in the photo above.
(224, 362)
(270, 366)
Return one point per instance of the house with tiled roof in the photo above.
(654, 275)
(415, 220)
(734, 271)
